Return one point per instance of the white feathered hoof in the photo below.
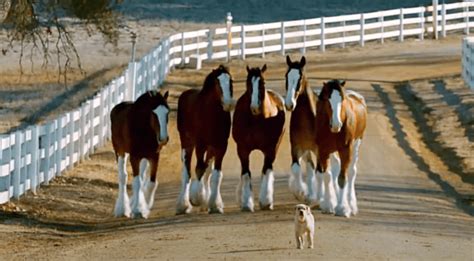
(354, 209)
(327, 207)
(343, 211)
(244, 194)
(216, 210)
(195, 193)
(122, 207)
(266, 191)
(216, 206)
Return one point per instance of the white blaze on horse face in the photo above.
(293, 78)
(336, 103)
(255, 103)
(224, 82)
(162, 115)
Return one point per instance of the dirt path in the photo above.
(408, 209)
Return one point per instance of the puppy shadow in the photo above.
(251, 250)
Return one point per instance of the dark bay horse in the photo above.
(139, 129)
(301, 101)
(204, 125)
(258, 124)
(341, 121)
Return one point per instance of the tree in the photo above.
(41, 27)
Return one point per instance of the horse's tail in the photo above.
(357, 96)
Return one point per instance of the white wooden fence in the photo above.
(35, 155)
(468, 61)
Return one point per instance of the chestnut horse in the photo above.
(204, 124)
(258, 124)
(341, 121)
(139, 129)
(301, 101)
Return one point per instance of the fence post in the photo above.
(210, 36)
(400, 37)
(435, 19)
(322, 47)
(303, 50)
(34, 158)
(381, 21)
(443, 20)
(229, 34)
(59, 151)
(182, 50)
(71, 140)
(422, 24)
(91, 129)
(17, 165)
(47, 153)
(242, 42)
(282, 38)
(343, 24)
(263, 42)
(82, 134)
(101, 118)
(466, 17)
(362, 30)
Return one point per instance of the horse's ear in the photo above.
(343, 83)
(165, 96)
(302, 62)
(264, 68)
(288, 60)
(248, 69)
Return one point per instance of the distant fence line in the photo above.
(36, 154)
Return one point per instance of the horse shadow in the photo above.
(401, 138)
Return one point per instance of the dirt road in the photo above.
(410, 205)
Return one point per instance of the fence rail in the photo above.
(35, 155)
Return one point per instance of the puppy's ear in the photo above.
(308, 209)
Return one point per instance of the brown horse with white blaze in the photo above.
(301, 101)
(258, 124)
(139, 129)
(204, 124)
(341, 123)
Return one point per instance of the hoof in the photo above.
(183, 210)
(343, 212)
(246, 209)
(216, 211)
(266, 207)
(143, 214)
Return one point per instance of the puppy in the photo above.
(304, 225)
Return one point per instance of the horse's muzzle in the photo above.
(289, 107)
(228, 105)
(255, 111)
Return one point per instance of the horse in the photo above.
(341, 121)
(258, 124)
(139, 129)
(301, 102)
(204, 124)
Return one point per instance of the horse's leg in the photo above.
(335, 168)
(198, 194)
(343, 208)
(183, 205)
(244, 189)
(152, 182)
(266, 186)
(311, 197)
(122, 205)
(215, 200)
(319, 185)
(352, 177)
(139, 204)
(330, 199)
(295, 182)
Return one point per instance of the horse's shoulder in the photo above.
(277, 99)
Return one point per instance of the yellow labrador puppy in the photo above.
(304, 225)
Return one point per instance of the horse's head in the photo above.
(332, 102)
(256, 88)
(159, 121)
(294, 79)
(225, 90)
